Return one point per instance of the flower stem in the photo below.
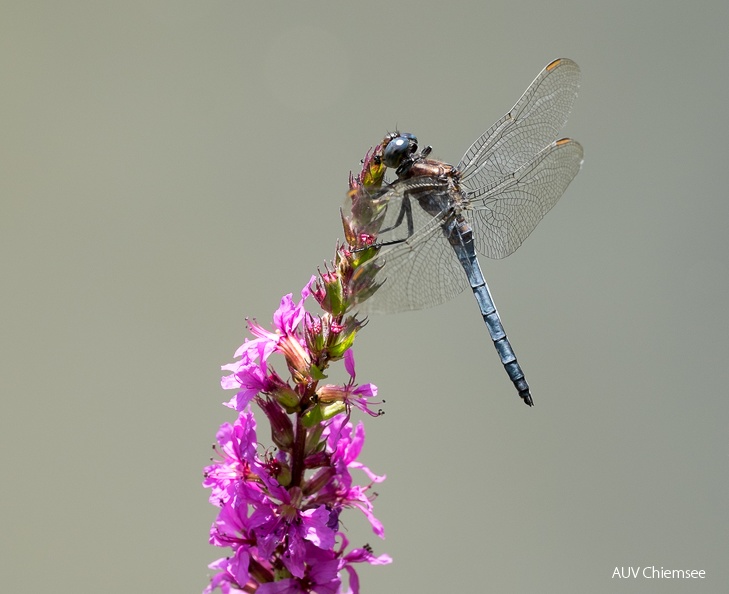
(297, 455)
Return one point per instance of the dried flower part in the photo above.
(362, 219)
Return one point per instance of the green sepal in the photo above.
(335, 297)
(284, 476)
(281, 573)
(313, 440)
(345, 339)
(287, 398)
(332, 410)
(315, 341)
(316, 373)
(312, 416)
(362, 255)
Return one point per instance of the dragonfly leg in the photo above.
(405, 212)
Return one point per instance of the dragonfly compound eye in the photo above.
(398, 148)
(413, 140)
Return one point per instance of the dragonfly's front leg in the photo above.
(406, 210)
(406, 213)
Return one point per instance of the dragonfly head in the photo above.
(400, 148)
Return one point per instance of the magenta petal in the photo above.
(238, 566)
(316, 530)
(306, 291)
(349, 362)
(287, 586)
(366, 390)
(293, 558)
(220, 580)
(229, 382)
(283, 312)
(375, 478)
(353, 580)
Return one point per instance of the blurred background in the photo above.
(169, 168)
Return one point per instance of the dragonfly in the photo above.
(437, 216)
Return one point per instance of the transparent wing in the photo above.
(422, 270)
(505, 213)
(532, 124)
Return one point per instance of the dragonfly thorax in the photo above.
(428, 168)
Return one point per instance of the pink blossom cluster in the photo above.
(279, 510)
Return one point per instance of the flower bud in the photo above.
(319, 480)
(329, 292)
(344, 335)
(297, 358)
(282, 429)
(284, 394)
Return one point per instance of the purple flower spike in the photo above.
(279, 506)
(279, 510)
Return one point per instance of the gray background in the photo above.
(169, 168)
